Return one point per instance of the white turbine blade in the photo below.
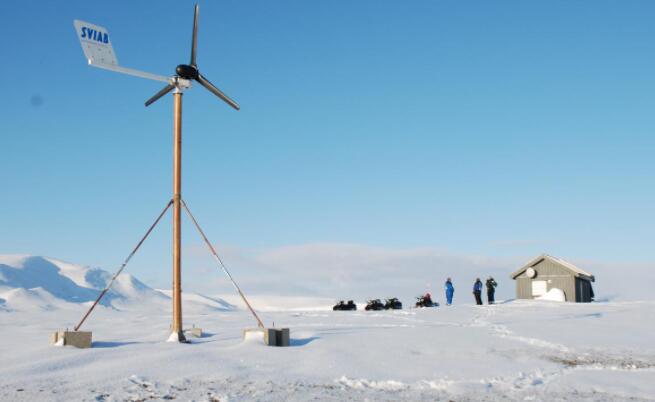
(97, 48)
(129, 71)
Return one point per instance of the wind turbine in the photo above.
(99, 52)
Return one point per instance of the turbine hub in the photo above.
(187, 71)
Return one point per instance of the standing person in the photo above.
(477, 291)
(491, 289)
(450, 290)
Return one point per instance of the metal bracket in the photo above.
(180, 84)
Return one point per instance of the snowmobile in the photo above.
(375, 304)
(393, 304)
(423, 301)
(341, 306)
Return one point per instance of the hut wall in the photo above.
(523, 287)
(554, 274)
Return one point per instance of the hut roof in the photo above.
(571, 267)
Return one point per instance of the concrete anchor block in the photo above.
(195, 332)
(270, 336)
(79, 339)
(276, 336)
(283, 337)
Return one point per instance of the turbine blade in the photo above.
(194, 39)
(205, 83)
(168, 88)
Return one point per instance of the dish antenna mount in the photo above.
(97, 47)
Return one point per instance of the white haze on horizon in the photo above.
(354, 271)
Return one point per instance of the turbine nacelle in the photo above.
(188, 72)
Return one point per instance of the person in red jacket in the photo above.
(428, 299)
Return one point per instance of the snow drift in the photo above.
(553, 295)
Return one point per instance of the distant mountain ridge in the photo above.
(28, 281)
(68, 282)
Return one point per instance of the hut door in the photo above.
(583, 291)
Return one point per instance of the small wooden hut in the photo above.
(545, 272)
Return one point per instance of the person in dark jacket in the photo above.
(450, 290)
(491, 289)
(477, 291)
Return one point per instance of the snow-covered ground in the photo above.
(515, 350)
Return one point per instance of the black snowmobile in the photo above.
(375, 304)
(423, 301)
(341, 306)
(393, 304)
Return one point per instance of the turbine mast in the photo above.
(177, 331)
(99, 52)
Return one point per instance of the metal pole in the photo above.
(176, 329)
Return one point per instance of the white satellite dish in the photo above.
(530, 272)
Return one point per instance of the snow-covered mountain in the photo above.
(35, 282)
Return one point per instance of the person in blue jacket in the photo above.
(450, 290)
(477, 291)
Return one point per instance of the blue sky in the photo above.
(501, 129)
